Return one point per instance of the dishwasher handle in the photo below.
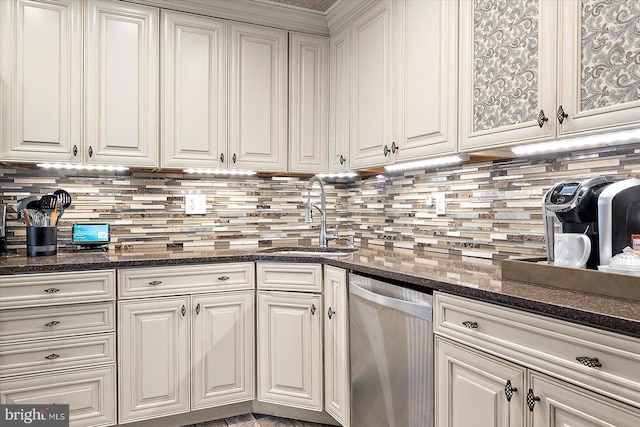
(418, 310)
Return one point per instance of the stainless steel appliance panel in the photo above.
(391, 341)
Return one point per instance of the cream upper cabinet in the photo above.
(599, 72)
(41, 80)
(371, 71)
(258, 98)
(308, 103)
(193, 91)
(153, 358)
(336, 345)
(289, 336)
(425, 45)
(339, 100)
(222, 355)
(121, 83)
(507, 72)
(470, 389)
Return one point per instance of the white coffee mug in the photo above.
(571, 250)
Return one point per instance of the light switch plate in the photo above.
(441, 204)
(195, 204)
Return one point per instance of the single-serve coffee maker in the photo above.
(598, 218)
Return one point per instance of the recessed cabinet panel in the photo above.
(426, 46)
(153, 358)
(258, 98)
(121, 63)
(222, 354)
(339, 101)
(42, 80)
(290, 349)
(193, 91)
(371, 87)
(308, 103)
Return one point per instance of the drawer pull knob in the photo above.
(330, 313)
(531, 400)
(183, 310)
(52, 290)
(198, 308)
(509, 390)
(223, 278)
(470, 325)
(52, 324)
(154, 283)
(591, 362)
(313, 309)
(52, 356)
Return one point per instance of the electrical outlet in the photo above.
(428, 201)
(441, 204)
(195, 204)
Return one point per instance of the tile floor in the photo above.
(257, 420)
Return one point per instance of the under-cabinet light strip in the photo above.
(337, 175)
(219, 172)
(72, 166)
(433, 162)
(611, 138)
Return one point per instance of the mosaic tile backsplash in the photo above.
(493, 207)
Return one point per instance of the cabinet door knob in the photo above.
(52, 324)
(52, 356)
(385, 150)
(561, 115)
(342, 159)
(531, 400)
(509, 390)
(183, 310)
(90, 151)
(330, 313)
(52, 290)
(234, 158)
(75, 150)
(313, 309)
(221, 157)
(542, 118)
(223, 278)
(198, 308)
(591, 362)
(470, 325)
(154, 283)
(394, 147)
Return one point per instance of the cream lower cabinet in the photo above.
(336, 345)
(57, 343)
(189, 351)
(289, 334)
(499, 367)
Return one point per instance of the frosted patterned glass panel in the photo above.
(610, 53)
(505, 56)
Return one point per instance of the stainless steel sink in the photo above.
(311, 251)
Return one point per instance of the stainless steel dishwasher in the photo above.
(391, 354)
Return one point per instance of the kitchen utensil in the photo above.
(33, 205)
(40, 219)
(47, 203)
(27, 219)
(22, 204)
(57, 212)
(64, 199)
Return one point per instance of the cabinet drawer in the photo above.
(50, 322)
(30, 290)
(289, 277)
(90, 394)
(38, 356)
(144, 282)
(547, 345)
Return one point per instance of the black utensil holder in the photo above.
(42, 241)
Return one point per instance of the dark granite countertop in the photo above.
(472, 277)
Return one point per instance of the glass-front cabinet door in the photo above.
(507, 71)
(599, 75)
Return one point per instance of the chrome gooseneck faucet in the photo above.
(324, 238)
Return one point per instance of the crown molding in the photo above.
(343, 12)
(251, 12)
